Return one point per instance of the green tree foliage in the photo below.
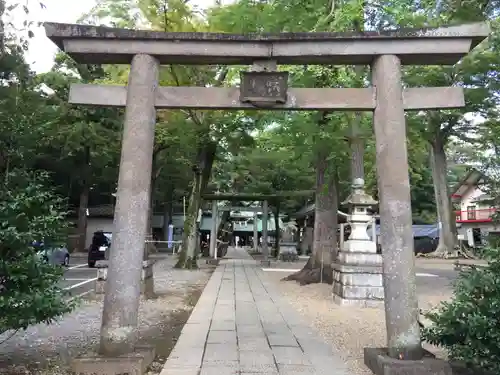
(467, 326)
(29, 209)
(82, 138)
(29, 289)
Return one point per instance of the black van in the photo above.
(101, 242)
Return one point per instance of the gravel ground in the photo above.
(47, 349)
(347, 329)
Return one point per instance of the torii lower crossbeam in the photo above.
(301, 99)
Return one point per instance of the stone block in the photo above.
(358, 292)
(359, 258)
(360, 246)
(132, 364)
(377, 360)
(147, 278)
(358, 285)
(358, 279)
(352, 268)
(213, 262)
(101, 264)
(289, 257)
(365, 303)
(265, 263)
(100, 286)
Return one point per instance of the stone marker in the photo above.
(288, 247)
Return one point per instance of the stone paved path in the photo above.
(241, 326)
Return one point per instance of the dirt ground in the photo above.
(347, 329)
(48, 349)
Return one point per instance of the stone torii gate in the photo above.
(147, 50)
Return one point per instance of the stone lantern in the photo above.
(357, 271)
(359, 219)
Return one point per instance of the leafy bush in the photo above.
(468, 326)
(29, 291)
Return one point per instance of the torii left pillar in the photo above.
(121, 303)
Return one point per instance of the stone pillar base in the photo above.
(147, 279)
(377, 360)
(358, 285)
(134, 363)
(288, 252)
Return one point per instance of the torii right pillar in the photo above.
(396, 234)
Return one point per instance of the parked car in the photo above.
(101, 242)
(54, 255)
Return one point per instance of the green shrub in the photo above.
(29, 291)
(468, 326)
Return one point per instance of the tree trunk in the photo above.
(357, 149)
(277, 235)
(84, 203)
(187, 255)
(2, 29)
(202, 171)
(447, 232)
(82, 217)
(319, 266)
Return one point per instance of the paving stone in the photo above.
(220, 369)
(299, 370)
(257, 361)
(191, 341)
(180, 371)
(183, 362)
(195, 328)
(220, 352)
(276, 329)
(224, 310)
(290, 356)
(250, 330)
(282, 340)
(186, 356)
(252, 343)
(223, 325)
(221, 337)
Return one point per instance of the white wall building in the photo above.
(474, 217)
